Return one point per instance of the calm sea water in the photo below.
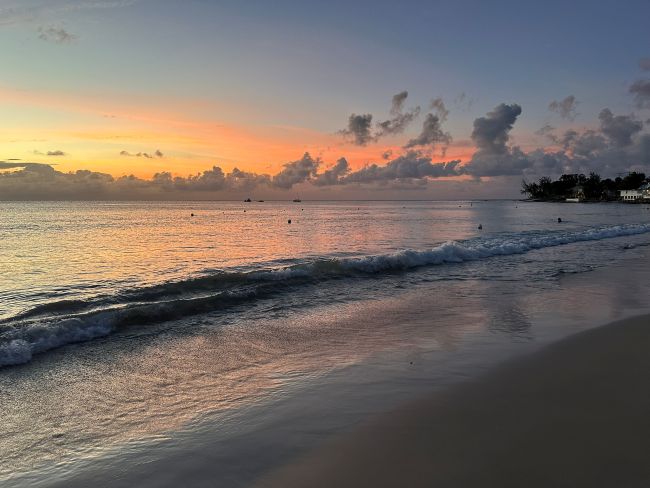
(126, 321)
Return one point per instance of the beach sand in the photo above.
(576, 413)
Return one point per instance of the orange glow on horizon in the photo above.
(92, 132)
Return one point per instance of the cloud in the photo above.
(37, 181)
(296, 172)
(359, 129)
(644, 64)
(491, 133)
(438, 105)
(620, 128)
(547, 131)
(400, 119)
(50, 153)
(494, 157)
(333, 175)
(617, 145)
(641, 91)
(156, 154)
(409, 166)
(431, 133)
(57, 36)
(565, 108)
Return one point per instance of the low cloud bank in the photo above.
(617, 144)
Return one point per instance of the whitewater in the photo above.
(57, 323)
(131, 329)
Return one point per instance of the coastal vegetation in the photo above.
(589, 188)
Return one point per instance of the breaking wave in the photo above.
(55, 324)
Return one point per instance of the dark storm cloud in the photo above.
(641, 91)
(359, 129)
(566, 108)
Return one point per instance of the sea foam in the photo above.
(53, 325)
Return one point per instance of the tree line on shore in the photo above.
(591, 187)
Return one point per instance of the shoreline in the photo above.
(257, 442)
(572, 414)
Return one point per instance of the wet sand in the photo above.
(575, 414)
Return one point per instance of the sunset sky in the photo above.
(465, 97)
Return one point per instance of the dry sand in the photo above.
(576, 414)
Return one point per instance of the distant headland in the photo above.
(632, 188)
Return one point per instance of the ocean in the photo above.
(131, 330)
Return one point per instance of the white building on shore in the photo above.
(631, 195)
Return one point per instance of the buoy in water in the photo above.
(191, 215)
(289, 221)
(559, 220)
(480, 226)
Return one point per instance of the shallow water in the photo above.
(192, 317)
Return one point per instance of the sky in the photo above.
(209, 99)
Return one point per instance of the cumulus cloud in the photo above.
(55, 35)
(156, 154)
(620, 128)
(617, 145)
(494, 157)
(566, 108)
(359, 129)
(431, 133)
(409, 166)
(399, 120)
(641, 91)
(24, 181)
(491, 133)
(333, 175)
(296, 172)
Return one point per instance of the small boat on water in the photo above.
(248, 200)
(297, 200)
